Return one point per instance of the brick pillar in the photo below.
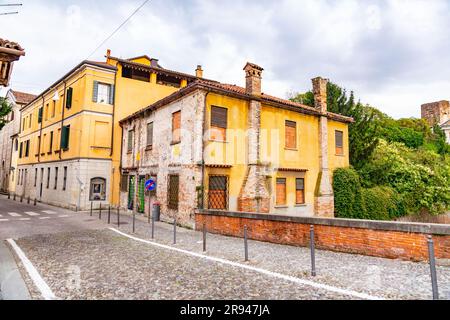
(254, 196)
(324, 197)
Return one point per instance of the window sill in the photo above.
(42, 154)
(50, 152)
(290, 149)
(281, 207)
(303, 205)
(340, 155)
(218, 141)
(149, 148)
(129, 152)
(96, 147)
(57, 151)
(174, 143)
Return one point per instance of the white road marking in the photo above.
(32, 214)
(4, 220)
(14, 214)
(48, 212)
(25, 219)
(64, 216)
(45, 290)
(356, 294)
(44, 218)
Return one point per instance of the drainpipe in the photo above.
(114, 110)
(203, 150)
(63, 108)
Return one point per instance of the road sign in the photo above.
(150, 185)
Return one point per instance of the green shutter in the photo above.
(69, 98)
(40, 115)
(95, 92)
(111, 94)
(65, 136)
(21, 149)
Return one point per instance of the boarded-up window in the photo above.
(218, 193)
(281, 191)
(291, 134)
(300, 191)
(219, 123)
(176, 126)
(102, 135)
(174, 184)
(149, 134)
(339, 136)
(130, 140)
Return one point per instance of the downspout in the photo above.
(203, 150)
(63, 108)
(40, 129)
(111, 188)
(120, 165)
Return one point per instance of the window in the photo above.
(176, 125)
(140, 75)
(23, 123)
(150, 134)
(103, 93)
(219, 123)
(281, 192)
(69, 97)
(50, 149)
(174, 183)
(124, 182)
(16, 145)
(48, 178)
(38, 145)
(21, 150)
(130, 140)
(300, 191)
(168, 81)
(35, 176)
(12, 115)
(98, 189)
(218, 193)
(65, 137)
(65, 179)
(40, 115)
(339, 139)
(53, 108)
(31, 117)
(47, 107)
(27, 148)
(291, 135)
(56, 178)
(43, 144)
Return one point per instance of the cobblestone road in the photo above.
(113, 267)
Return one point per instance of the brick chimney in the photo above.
(324, 196)
(253, 78)
(154, 63)
(199, 72)
(320, 94)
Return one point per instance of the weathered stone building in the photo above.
(223, 147)
(9, 136)
(438, 113)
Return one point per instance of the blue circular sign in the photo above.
(150, 185)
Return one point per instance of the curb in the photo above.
(12, 285)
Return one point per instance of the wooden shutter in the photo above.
(150, 134)
(130, 140)
(300, 191)
(176, 126)
(21, 150)
(95, 92)
(40, 115)
(174, 183)
(291, 134)
(112, 90)
(281, 192)
(69, 98)
(65, 136)
(339, 136)
(219, 123)
(50, 149)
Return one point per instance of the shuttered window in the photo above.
(103, 93)
(339, 136)
(50, 149)
(176, 126)
(124, 182)
(65, 137)
(130, 140)
(291, 134)
(27, 148)
(174, 184)
(21, 150)
(300, 191)
(281, 192)
(218, 193)
(69, 97)
(40, 115)
(149, 134)
(219, 123)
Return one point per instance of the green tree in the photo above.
(5, 109)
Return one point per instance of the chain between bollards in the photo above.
(246, 243)
(109, 214)
(434, 284)
(204, 237)
(313, 252)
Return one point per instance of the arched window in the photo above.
(98, 189)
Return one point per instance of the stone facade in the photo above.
(438, 113)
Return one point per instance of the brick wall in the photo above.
(406, 241)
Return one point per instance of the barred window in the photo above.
(174, 184)
(218, 193)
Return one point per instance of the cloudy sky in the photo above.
(393, 53)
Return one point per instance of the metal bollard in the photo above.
(14, 197)
(29, 200)
(35, 202)
(109, 214)
(100, 212)
(204, 237)
(9, 196)
(91, 207)
(434, 283)
(21, 198)
(153, 227)
(246, 243)
(118, 217)
(313, 252)
(134, 222)
(175, 231)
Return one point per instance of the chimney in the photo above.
(320, 93)
(199, 72)
(154, 63)
(108, 53)
(253, 77)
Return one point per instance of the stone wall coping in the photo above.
(425, 228)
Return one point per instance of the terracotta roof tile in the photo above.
(23, 97)
(10, 45)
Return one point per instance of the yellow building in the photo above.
(70, 139)
(223, 147)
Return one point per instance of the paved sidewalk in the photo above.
(390, 279)
(12, 285)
